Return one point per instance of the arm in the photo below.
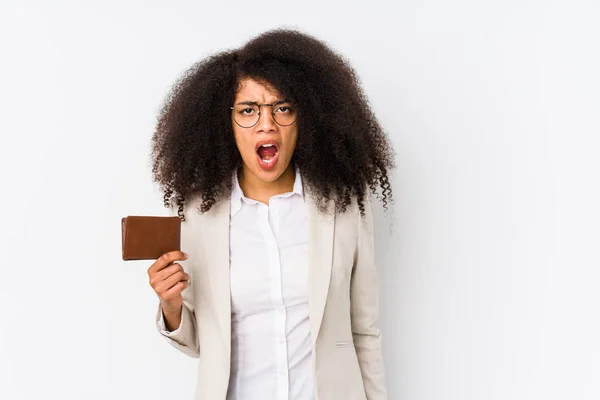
(184, 337)
(364, 298)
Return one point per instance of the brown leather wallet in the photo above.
(147, 238)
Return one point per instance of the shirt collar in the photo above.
(237, 195)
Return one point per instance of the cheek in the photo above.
(244, 147)
(290, 144)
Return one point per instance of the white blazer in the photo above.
(343, 302)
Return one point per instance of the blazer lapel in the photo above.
(320, 256)
(216, 235)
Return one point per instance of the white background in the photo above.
(490, 265)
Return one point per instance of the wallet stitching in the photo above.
(124, 236)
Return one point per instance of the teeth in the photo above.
(267, 145)
(267, 161)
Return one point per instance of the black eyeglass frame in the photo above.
(272, 105)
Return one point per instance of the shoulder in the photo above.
(192, 206)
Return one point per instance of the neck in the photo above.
(262, 191)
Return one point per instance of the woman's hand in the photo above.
(168, 279)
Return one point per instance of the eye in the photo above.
(284, 109)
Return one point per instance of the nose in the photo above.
(266, 123)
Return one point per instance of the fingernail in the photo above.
(186, 255)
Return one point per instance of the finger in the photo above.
(168, 276)
(175, 291)
(166, 259)
(168, 283)
(157, 278)
(167, 272)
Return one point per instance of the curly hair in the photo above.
(341, 151)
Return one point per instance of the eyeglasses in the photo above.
(247, 114)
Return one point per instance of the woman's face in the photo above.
(266, 147)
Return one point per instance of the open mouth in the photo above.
(267, 153)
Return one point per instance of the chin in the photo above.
(268, 176)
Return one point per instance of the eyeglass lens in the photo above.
(247, 115)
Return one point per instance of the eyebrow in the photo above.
(249, 103)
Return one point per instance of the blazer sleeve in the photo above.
(364, 298)
(185, 338)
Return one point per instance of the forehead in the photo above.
(252, 90)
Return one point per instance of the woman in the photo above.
(268, 154)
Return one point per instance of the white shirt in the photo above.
(270, 327)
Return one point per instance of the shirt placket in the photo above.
(269, 227)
